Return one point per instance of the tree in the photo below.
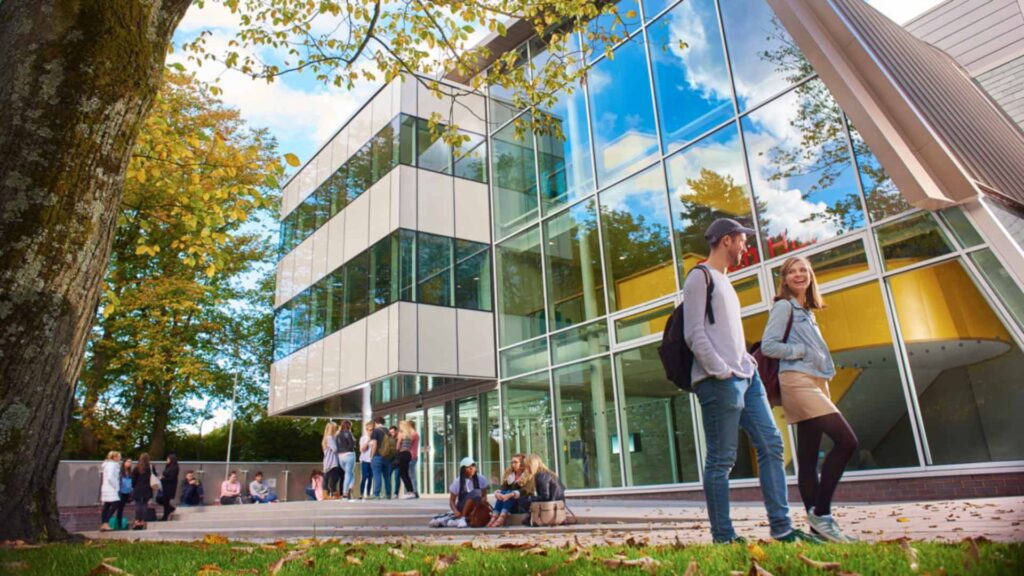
(168, 322)
(78, 80)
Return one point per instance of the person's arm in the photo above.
(451, 504)
(695, 328)
(543, 487)
(774, 332)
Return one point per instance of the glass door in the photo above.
(433, 453)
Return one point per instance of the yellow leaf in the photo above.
(214, 539)
(292, 159)
(211, 270)
(902, 519)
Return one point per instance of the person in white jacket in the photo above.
(109, 484)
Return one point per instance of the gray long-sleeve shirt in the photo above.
(719, 349)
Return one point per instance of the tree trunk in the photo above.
(77, 80)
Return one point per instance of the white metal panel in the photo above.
(472, 216)
(360, 130)
(297, 378)
(315, 370)
(377, 344)
(427, 104)
(436, 339)
(357, 224)
(382, 108)
(380, 208)
(353, 354)
(332, 362)
(436, 203)
(407, 197)
(336, 241)
(287, 266)
(303, 276)
(476, 343)
(323, 166)
(470, 114)
(407, 338)
(408, 95)
(339, 149)
(393, 324)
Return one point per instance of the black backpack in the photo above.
(676, 356)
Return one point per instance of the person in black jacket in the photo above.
(540, 484)
(168, 485)
(142, 491)
(191, 490)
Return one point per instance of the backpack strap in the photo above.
(708, 310)
(789, 324)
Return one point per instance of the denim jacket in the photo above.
(805, 351)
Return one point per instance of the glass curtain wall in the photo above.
(761, 140)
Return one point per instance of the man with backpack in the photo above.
(379, 464)
(724, 377)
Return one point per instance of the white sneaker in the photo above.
(408, 497)
(827, 528)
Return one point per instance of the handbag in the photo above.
(768, 367)
(548, 513)
(479, 514)
(154, 483)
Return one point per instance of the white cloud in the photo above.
(213, 15)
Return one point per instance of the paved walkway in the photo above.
(600, 522)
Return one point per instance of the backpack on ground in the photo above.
(387, 447)
(676, 355)
(768, 367)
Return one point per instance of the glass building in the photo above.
(509, 296)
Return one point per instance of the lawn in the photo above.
(216, 556)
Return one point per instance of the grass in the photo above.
(217, 556)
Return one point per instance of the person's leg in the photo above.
(140, 511)
(378, 475)
(120, 509)
(844, 445)
(349, 465)
(721, 403)
(403, 472)
(396, 476)
(388, 473)
(808, 442)
(412, 475)
(310, 494)
(106, 513)
(756, 419)
(367, 480)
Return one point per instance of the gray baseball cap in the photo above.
(724, 227)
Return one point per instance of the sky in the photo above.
(302, 112)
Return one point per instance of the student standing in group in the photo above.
(142, 490)
(366, 460)
(332, 467)
(730, 392)
(125, 489)
(805, 367)
(168, 486)
(380, 432)
(110, 483)
(414, 450)
(347, 457)
(390, 454)
(405, 433)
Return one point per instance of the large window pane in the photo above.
(317, 309)
(406, 264)
(360, 171)
(573, 253)
(433, 269)
(490, 457)
(471, 158)
(880, 193)
(690, 77)
(625, 139)
(585, 406)
(566, 172)
(357, 288)
(656, 421)
(960, 355)
(338, 193)
(385, 153)
(528, 422)
(472, 275)
(501, 102)
(321, 198)
(579, 343)
(526, 357)
(642, 324)
(638, 256)
(520, 288)
(1005, 286)
(515, 181)
(803, 179)
(432, 152)
(336, 300)
(911, 240)
(707, 181)
(764, 57)
(383, 290)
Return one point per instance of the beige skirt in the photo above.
(804, 396)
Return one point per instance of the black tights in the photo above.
(817, 492)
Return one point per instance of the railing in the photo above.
(78, 481)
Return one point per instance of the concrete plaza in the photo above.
(599, 522)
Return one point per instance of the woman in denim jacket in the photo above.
(805, 367)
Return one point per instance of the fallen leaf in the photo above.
(18, 544)
(756, 552)
(209, 569)
(383, 572)
(973, 555)
(16, 566)
(290, 556)
(397, 553)
(353, 560)
(443, 562)
(903, 519)
(911, 553)
(214, 539)
(514, 545)
(817, 563)
(104, 567)
(693, 569)
(534, 551)
(757, 570)
(243, 549)
(646, 563)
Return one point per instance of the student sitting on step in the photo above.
(259, 492)
(315, 490)
(231, 490)
(191, 490)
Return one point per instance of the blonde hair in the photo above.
(522, 468)
(812, 297)
(113, 455)
(329, 432)
(405, 429)
(533, 466)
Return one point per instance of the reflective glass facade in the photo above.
(706, 110)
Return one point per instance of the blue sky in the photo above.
(300, 110)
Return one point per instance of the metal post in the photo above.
(231, 427)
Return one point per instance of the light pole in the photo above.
(199, 449)
(231, 425)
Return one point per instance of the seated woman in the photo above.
(191, 490)
(542, 484)
(315, 490)
(468, 490)
(231, 490)
(507, 498)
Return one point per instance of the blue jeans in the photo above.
(506, 506)
(348, 465)
(271, 497)
(310, 494)
(726, 406)
(381, 476)
(412, 475)
(367, 479)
